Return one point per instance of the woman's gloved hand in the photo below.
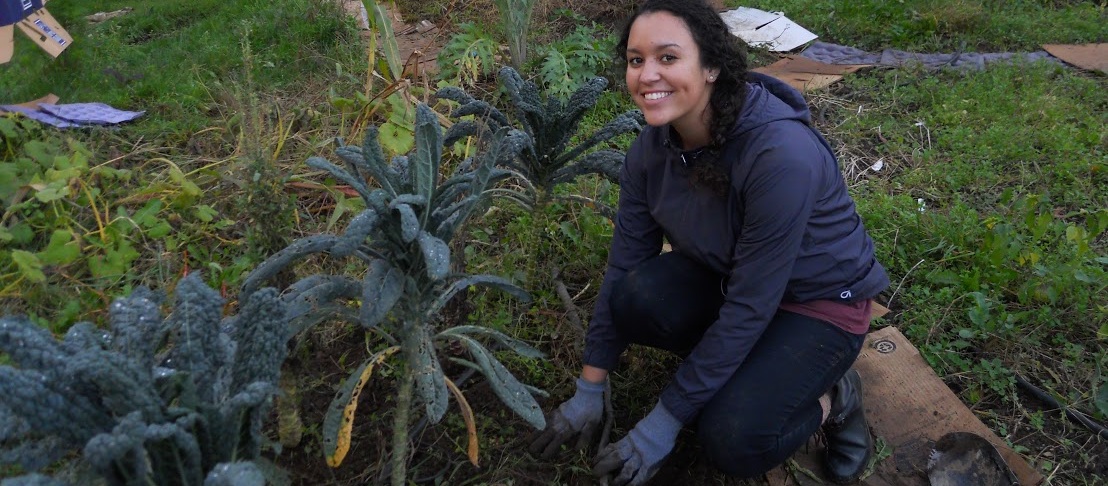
(639, 455)
(579, 416)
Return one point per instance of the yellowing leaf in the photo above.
(471, 424)
(340, 415)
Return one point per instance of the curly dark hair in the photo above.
(719, 49)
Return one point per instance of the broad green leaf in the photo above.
(29, 265)
(160, 230)
(506, 386)
(40, 152)
(493, 281)
(429, 380)
(520, 347)
(114, 262)
(148, 215)
(382, 288)
(436, 255)
(428, 152)
(7, 128)
(340, 414)
(395, 138)
(61, 250)
(51, 192)
(205, 213)
(9, 182)
(17, 234)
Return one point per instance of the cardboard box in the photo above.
(32, 18)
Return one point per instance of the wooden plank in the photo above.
(909, 408)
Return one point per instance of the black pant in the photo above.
(770, 406)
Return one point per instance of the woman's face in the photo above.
(664, 73)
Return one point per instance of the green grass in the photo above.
(946, 25)
(236, 96)
(164, 57)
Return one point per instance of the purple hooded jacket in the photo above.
(786, 231)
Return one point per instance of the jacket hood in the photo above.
(769, 99)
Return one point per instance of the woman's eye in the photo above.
(668, 58)
(634, 61)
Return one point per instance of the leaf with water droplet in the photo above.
(436, 255)
(506, 386)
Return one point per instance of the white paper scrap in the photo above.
(772, 30)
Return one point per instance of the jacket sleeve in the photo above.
(778, 195)
(636, 238)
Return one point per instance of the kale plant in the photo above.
(403, 238)
(542, 154)
(168, 401)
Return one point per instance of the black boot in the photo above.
(849, 445)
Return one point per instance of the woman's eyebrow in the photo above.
(657, 47)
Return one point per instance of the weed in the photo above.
(469, 56)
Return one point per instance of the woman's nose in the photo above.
(649, 72)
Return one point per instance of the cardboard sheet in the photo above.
(909, 407)
(45, 31)
(33, 105)
(39, 26)
(806, 74)
(7, 43)
(1090, 57)
(772, 30)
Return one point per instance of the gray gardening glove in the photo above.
(579, 416)
(639, 455)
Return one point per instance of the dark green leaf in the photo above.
(381, 290)
(274, 264)
(409, 222)
(506, 386)
(340, 174)
(429, 380)
(436, 255)
(520, 347)
(356, 233)
(1102, 398)
(428, 152)
(493, 281)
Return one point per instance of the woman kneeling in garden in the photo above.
(767, 291)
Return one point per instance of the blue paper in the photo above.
(12, 11)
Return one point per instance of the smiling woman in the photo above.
(767, 291)
(666, 78)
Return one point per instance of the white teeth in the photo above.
(655, 96)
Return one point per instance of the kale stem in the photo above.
(403, 410)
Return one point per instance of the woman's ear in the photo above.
(712, 75)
